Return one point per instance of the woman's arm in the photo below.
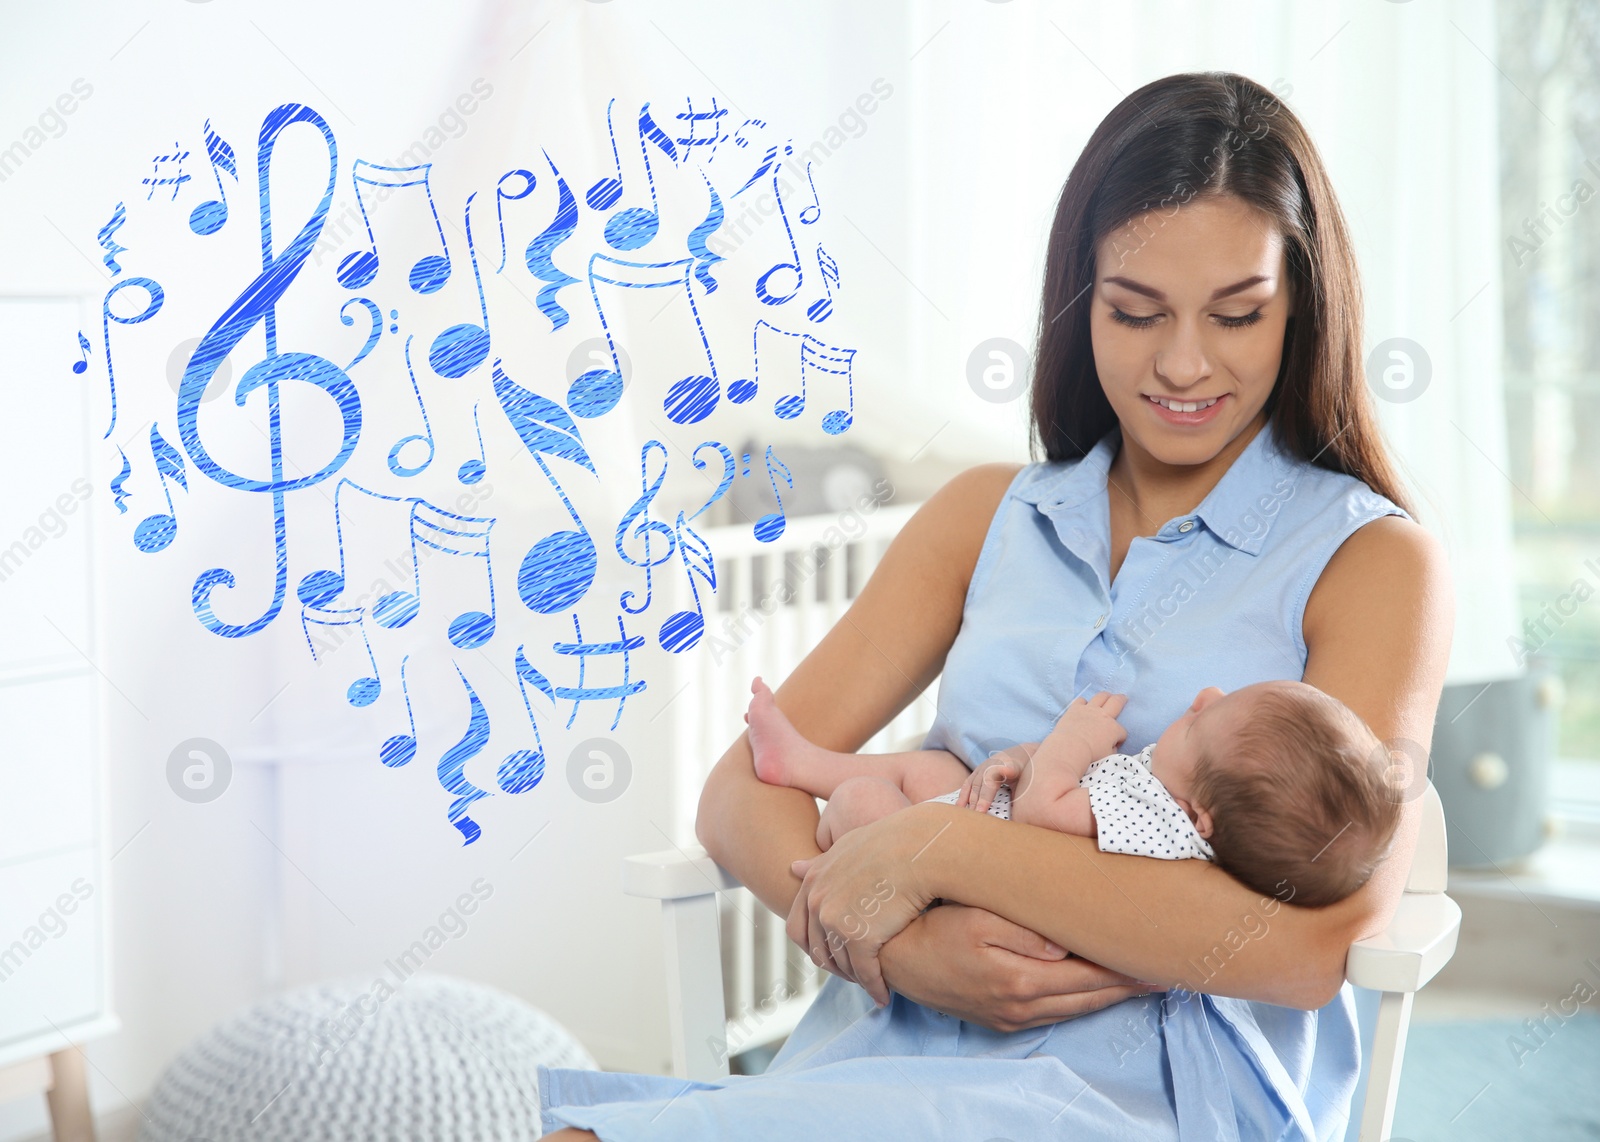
(1378, 632)
(877, 659)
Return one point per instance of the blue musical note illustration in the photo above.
(462, 348)
(429, 272)
(401, 748)
(810, 214)
(597, 391)
(425, 436)
(374, 331)
(695, 118)
(209, 217)
(764, 294)
(604, 193)
(560, 568)
(769, 161)
(539, 251)
(154, 298)
(471, 471)
(682, 629)
(748, 386)
(637, 518)
(257, 305)
(704, 256)
(452, 766)
(365, 688)
(583, 651)
(81, 365)
(816, 356)
(108, 243)
(500, 200)
(175, 182)
(467, 537)
(822, 308)
(770, 526)
(156, 532)
(522, 769)
(118, 492)
(634, 227)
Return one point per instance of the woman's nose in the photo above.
(1182, 360)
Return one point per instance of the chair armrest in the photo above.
(675, 874)
(1418, 942)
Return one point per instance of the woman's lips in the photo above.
(1199, 416)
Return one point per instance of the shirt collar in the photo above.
(1240, 510)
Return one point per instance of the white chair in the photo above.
(1419, 941)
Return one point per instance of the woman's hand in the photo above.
(982, 968)
(860, 893)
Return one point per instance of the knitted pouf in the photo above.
(432, 1059)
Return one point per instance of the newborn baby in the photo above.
(1280, 784)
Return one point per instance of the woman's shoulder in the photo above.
(950, 526)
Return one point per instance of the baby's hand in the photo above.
(982, 783)
(1094, 722)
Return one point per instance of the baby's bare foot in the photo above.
(773, 738)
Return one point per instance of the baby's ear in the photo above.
(1202, 823)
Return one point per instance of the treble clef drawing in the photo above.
(257, 305)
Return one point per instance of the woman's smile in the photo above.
(1180, 412)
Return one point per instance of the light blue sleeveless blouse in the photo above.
(1214, 598)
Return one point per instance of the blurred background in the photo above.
(192, 824)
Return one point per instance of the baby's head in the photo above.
(1287, 784)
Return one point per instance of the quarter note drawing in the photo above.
(603, 194)
(257, 305)
(429, 272)
(522, 769)
(636, 524)
(425, 436)
(624, 645)
(501, 197)
(682, 629)
(155, 181)
(401, 748)
(336, 622)
(770, 526)
(109, 243)
(690, 399)
(154, 298)
(462, 348)
(452, 766)
(212, 215)
(810, 214)
(156, 532)
(469, 574)
(559, 569)
(471, 471)
(540, 250)
(634, 227)
(374, 331)
(822, 308)
(81, 365)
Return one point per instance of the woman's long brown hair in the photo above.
(1172, 142)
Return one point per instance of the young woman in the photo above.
(1215, 506)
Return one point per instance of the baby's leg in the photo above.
(855, 802)
(784, 757)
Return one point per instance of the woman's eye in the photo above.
(1130, 320)
(1240, 322)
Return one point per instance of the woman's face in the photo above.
(1189, 309)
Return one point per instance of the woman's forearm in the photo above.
(1175, 923)
(754, 830)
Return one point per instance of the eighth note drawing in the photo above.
(156, 532)
(429, 272)
(770, 526)
(211, 216)
(820, 309)
(636, 226)
(466, 537)
(81, 366)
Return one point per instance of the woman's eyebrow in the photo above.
(1157, 295)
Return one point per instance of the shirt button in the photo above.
(1186, 525)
